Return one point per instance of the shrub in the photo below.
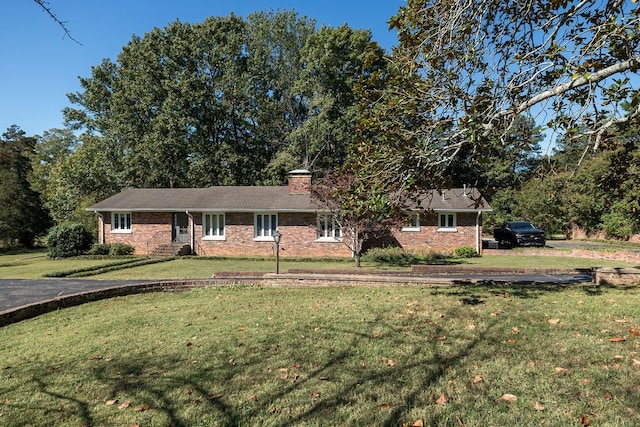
(119, 249)
(466, 252)
(99, 249)
(67, 240)
(390, 256)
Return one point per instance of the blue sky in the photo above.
(39, 66)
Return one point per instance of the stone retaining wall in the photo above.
(617, 276)
(618, 255)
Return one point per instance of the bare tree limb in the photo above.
(45, 6)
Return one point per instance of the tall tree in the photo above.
(227, 101)
(335, 60)
(22, 217)
(467, 69)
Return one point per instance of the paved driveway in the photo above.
(18, 292)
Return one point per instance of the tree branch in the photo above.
(44, 5)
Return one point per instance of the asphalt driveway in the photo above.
(15, 293)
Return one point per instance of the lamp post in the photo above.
(276, 238)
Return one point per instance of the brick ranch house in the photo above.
(240, 220)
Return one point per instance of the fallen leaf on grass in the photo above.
(508, 398)
(585, 421)
(553, 321)
(511, 341)
(315, 394)
(391, 362)
(635, 331)
(515, 330)
(253, 398)
(141, 408)
(635, 362)
(384, 405)
(214, 396)
(272, 410)
(559, 370)
(442, 399)
(124, 405)
(111, 402)
(617, 339)
(477, 379)
(538, 406)
(608, 397)
(417, 423)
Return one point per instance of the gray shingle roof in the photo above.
(261, 198)
(223, 199)
(454, 199)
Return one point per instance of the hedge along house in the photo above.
(241, 220)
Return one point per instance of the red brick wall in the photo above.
(429, 237)
(299, 238)
(146, 227)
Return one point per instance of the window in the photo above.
(121, 222)
(414, 223)
(213, 226)
(328, 230)
(447, 221)
(265, 225)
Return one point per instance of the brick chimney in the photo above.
(300, 182)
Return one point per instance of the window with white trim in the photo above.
(213, 226)
(414, 223)
(265, 225)
(121, 222)
(447, 221)
(328, 230)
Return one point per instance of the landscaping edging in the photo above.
(435, 275)
(617, 276)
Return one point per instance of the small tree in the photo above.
(362, 212)
(67, 240)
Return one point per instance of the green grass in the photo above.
(360, 356)
(35, 265)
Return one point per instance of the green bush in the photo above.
(466, 252)
(99, 249)
(400, 257)
(68, 240)
(119, 249)
(390, 256)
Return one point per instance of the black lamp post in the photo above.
(276, 238)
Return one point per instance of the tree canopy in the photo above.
(464, 72)
(22, 216)
(227, 101)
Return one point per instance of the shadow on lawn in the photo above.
(414, 378)
(470, 293)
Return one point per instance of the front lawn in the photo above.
(36, 265)
(231, 356)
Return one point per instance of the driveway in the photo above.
(19, 292)
(15, 293)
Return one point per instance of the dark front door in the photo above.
(180, 227)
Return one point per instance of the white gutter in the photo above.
(192, 232)
(101, 229)
(478, 237)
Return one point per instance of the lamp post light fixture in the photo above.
(276, 238)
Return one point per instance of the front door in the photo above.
(180, 227)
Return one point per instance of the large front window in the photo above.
(447, 221)
(328, 229)
(265, 226)
(121, 222)
(213, 226)
(413, 224)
